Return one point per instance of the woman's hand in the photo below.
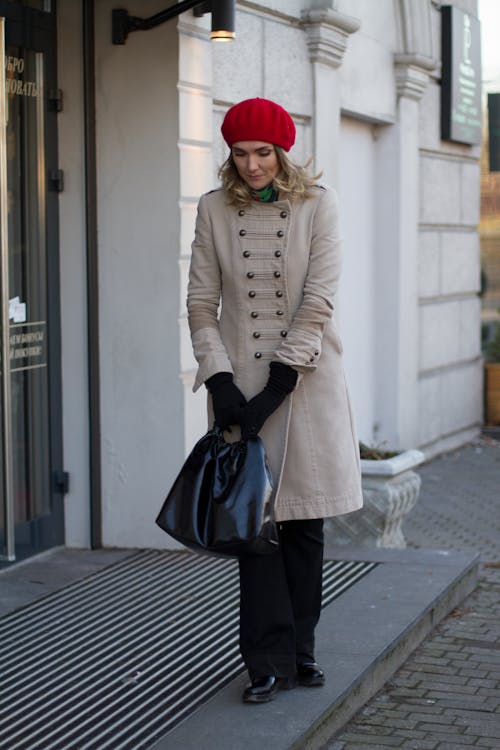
(282, 380)
(227, 399)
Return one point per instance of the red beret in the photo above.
(259, 120)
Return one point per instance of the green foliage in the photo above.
(492, 351)
(375, 453)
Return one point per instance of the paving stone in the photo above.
(461, 699)
(441, 686)
(466, 717)
(373, 739)
(438, 734)
(425, 659)
(404, 692)
(458, 664)
(484, 730)
(427, 707)
(480, 673)
(436, 669)
(451, 679)
(488, 692)
(361, 746)
(430, 718)
(383, 720)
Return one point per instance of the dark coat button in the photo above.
(280, 233)
(250, 274)
(251, 294)
(278, 253)
(283, 214)
(316, 354)
(311, 359)
(256, 335)
(277, 274)
(279, 312)
(241, 212)
(246, 253)
(257, 355)
(279, 293)
(254, 314)
(283, 334)
(243, 232)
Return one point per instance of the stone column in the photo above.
(396, 309)
(327, 36)
(195, 158)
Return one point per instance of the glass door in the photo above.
(31, 439)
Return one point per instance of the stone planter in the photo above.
(390, 490)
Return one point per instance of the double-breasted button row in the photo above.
(252, 293)
(256, 272)
(257, 334)
(247, 253)
(279, 233)
(255, 314)
(283, 214)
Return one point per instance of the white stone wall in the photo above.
(408, 307)
(139, 183)
(450, 366)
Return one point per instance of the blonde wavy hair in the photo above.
(292, 181)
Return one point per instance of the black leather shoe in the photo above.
(264, 689)
(261, 690)
(310, 675)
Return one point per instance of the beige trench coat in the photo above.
(274, 267)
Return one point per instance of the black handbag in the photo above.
(222, 499)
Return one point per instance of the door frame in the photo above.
(34, 29)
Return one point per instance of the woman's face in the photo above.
(256, 162)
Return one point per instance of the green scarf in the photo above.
(266, 195)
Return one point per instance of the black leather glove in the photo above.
(282, 380)
(227, 399)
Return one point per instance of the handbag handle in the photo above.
(219, 432)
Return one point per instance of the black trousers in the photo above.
(280, 601)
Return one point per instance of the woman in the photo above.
(267, 250)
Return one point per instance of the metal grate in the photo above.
(116, 660)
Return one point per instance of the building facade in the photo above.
(107, 150)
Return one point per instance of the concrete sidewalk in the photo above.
(447, 694)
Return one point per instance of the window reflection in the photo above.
(27, 282)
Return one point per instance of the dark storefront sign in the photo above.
(461, 77)
(494, 131)
(28, 346)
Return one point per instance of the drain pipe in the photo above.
(92, 273)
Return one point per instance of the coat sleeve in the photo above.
(301, 349)
(204, 291)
